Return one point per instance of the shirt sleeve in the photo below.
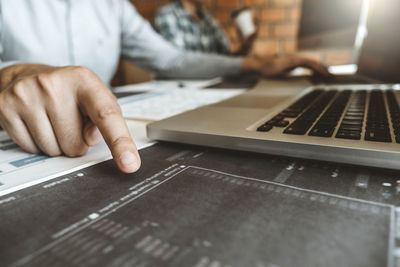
(223, 43)
(141, 45)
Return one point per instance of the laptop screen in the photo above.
(320, 27)
(380, 55)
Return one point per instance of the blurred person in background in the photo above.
(188, 25)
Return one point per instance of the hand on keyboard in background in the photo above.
(273, 66)
(44, 109)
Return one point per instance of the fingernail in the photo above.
(129, 161)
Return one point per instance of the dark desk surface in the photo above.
(194, 206)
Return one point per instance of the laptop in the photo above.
(345, 123)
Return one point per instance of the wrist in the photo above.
(13, 72)
(250, 64)
(7, 74)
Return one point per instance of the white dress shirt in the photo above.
(94, 34)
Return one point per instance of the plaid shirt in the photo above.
(176, 25)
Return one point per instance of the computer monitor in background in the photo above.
(329, 24)
(380, 54)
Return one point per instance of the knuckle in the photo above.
(29, 148)
(51, 151)
(121, 140)
(47, 82)
(19, 91)
(48, 145)
(75, 148)
(54, 153)
(71, 142)
(108, 111)
(83, 73)
(76, 151)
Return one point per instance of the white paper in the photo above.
(167, 85)
(161, 104)
(19, 168)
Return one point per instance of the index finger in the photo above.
(102, 108)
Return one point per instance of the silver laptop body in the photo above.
(237, 123)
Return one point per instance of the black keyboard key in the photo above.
(394, 111)
(353, 135)
(278, 118)
(378, 136)
(289, 114)
(377, 125)
(353, 118)
(322, 132)
(352, 123)
(275, 121)
(299, 130)
(272, 122)
(264, 128)
(281, 124)
(300, 105)
(355, 113)
(326, 124)
(350, 128)
(377, 128)
(303, 123)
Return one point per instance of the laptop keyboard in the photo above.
(307, 118)
(352, 123)
(394, 111)
(320, 113)
(377, 122)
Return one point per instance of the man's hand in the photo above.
(247, 45)
(63, 111)
(273, 66)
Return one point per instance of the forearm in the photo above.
(168, 61)
(198, 65)
(250, 64)
(147, 49)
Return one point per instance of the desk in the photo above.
(196, 206)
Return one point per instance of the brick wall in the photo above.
(279, 21)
